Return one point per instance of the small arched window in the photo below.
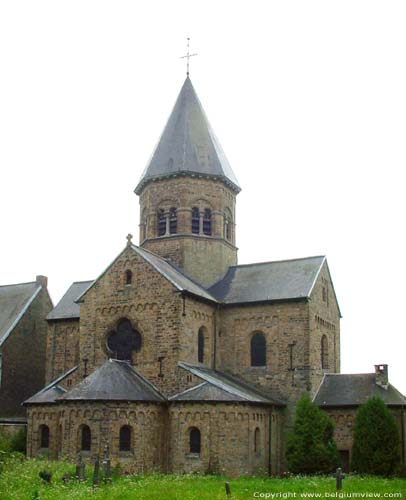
(85, 438)
(195, 220)
(207, 222)
(227, 225)
(194, 440)
(258, 350)
(173, 222)
(128, 277)
(256, 440)
(324, 352)
(161, 222)
(200, 345)
(144, 225)
(44, 436)
(125, 438)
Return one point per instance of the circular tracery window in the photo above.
(124, 340)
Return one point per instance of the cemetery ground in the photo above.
(20, 480)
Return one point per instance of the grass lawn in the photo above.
(19, 480)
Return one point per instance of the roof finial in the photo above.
(129, 238)
(188, 56)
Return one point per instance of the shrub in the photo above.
(18, 442)
(376, 445)
(310, 446)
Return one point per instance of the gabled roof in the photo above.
(188, 145)
(67, 308)
(221, 387)
(268, 281)
(51, 392)
(353, 390)
(174, 275)
(14, 302)
(114, 381)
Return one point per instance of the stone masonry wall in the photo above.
(62, 347)
(204, 258)
(227, 438)
(154, 308)
(324, 317)
(282, 324)
(148, 433)
(23, 358)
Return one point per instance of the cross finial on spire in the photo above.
(187, 57)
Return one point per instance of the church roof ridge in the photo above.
(18, 284)
(296, 259)
(188, 145)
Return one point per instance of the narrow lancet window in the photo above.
(200, 346)
(173, 223)
(258, 350)
(85, 438)
(128, 277)
(125, 438)
(44, 436)
(195, 220)
(324, 352)
(194, 440)
(207, 222)
(161, 222)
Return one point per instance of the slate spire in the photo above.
(188, 145)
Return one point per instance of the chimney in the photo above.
(43, 281)
(381, 376)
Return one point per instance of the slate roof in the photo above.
(114, 381)
(188, 145)
(268, 281)
(67, 308)
(354, 390)
(220, 386)
(51, 392)
(170, 272)
(14, 302)
(173, 274)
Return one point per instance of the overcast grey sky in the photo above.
(308, 101)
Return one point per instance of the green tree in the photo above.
(310, 446)
(376, 445)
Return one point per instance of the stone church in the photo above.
(177, 359)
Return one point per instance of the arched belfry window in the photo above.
(44, 436)
(258, 350)
(173, 222)
(125, 438)
(324, 352)
(227, 225)
(161, 222)
(128, 277)
(194, 440)
(124, 340)
(195, 220)
(144, 225)
(200, 345)
(85, 438)
(207, 222)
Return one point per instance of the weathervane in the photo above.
(188, 56)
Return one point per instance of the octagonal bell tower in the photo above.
(188, 194)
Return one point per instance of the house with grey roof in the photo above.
(177, 358)
(23, 309)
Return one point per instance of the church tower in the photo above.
(187, 195)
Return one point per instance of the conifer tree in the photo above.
(310, 447)
(376, 445)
